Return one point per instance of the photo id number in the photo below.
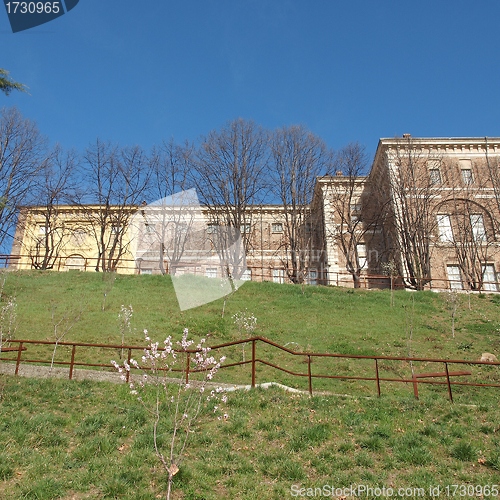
(33, 7)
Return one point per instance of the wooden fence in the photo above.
(448, 375)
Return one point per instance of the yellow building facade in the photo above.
(441, 195)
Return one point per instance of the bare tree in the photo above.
(353, 219)
(62, 324)
(23, 152)
(118, 178)
(171, 164)
(415, 185)
(452, 301)
(492, 164)
(298, 157)
(471, 231)
(49, 229)
(230, 175)
(391, 269)
(169, 219)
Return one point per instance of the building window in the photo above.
(435, 176)
(312, 276)
(42, 230)
(180, 228)
(444, 227)
(115, 229)
(75, 262)
(308, 228)
(278, 276)
(361, 249)
(150, 229)
(247, 275)
(490, 278)
(454, 277)
(211, 272)
(466, 170)
(355, 210)
(212, 228)
(78, 237)
(477, 224)
(277, 227)
(245, 228)
(467, 176)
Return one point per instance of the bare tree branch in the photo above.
(353, 218)
(298, 158)
(230, 176)
(118, 179)
(23, 152)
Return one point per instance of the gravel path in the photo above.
(36, 371)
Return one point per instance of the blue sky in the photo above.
(138, 72)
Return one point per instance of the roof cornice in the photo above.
(456, 143)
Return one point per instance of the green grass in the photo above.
(317, 319)
(91, 440)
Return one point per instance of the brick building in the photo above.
(428, 209)
(440, 206)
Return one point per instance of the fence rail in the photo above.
(21, 355)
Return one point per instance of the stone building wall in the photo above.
(455, 184)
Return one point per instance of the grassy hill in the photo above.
(316, 318)
(90, 440)
(84, 440)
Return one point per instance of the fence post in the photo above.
(253, 363)
(309, 374)
(188, 362)
(378, 377)
(73, 351)
(129, 356)
(415, 385)
(18, 361)
(449, 383)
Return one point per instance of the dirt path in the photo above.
(36, 371)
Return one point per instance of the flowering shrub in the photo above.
(124, 317)
(174, 403)
(8, 316)
(245, 321)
